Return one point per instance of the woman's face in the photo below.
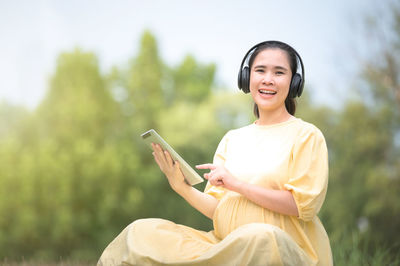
(270, 77)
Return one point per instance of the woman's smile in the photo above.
(267, 93)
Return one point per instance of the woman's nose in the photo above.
(267, 78)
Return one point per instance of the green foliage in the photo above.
(144, 84)
(12, 119)
(192, 81)
(77, 102)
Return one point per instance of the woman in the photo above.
(265, 187)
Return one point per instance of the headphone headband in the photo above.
(297, 82)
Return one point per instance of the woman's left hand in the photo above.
(220, 176)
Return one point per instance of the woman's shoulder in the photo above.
(307, 131)
(307, 127)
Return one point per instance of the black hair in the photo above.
(290, 103)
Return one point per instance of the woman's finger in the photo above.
(156, 147)
(157, 160)
(176, 165)
(216, 181)
(156, 154)
(206, 166)
(170, 161)
(159, 153)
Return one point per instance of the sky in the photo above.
(34, 33)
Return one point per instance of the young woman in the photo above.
(265, 186)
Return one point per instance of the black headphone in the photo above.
(297, 82)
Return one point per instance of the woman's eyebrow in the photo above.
(281, 68)
(274, 67)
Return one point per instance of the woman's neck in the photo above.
(275, 117)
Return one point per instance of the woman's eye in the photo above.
(280, 73)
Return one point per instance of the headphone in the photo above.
(297, 82)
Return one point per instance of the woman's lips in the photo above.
(266, 92)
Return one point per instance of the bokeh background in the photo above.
(81, 80)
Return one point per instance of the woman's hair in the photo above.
(290, 103)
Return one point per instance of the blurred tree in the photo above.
(192, 81)
(77, 102)
(64, 172)
(381, 91)
(12, 118)
(144, 84)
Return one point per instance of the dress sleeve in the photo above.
(219, 158)
(308, 181)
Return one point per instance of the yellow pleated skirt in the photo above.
(162, 242)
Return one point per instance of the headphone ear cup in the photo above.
(240, 79)
(245, 80)
(295, 86)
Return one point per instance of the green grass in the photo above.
(358, 253)
(48, 263)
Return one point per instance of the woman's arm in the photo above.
(204, 203)
(280, 201)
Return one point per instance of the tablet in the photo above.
(191, 176)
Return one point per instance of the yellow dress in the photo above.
(291, 156)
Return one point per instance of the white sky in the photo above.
(33, 33)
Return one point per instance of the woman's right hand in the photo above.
(170, 168)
